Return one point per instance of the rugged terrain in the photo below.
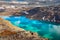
(10, 32)
(11, 11)
(50, 13)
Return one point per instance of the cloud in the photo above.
(29, 0)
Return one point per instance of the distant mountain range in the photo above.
(33, 0)
(39, 2)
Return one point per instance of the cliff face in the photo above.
(51, 13)
(10, 32)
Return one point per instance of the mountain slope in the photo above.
(51, 13)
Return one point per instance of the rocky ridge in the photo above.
(51, 13)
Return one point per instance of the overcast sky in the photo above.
(33, 0)
(30, 0)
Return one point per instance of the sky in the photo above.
(42, 2)
(34, 0)
(30, 0)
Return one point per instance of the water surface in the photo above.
(43, 28)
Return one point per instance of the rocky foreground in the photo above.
(10, 32)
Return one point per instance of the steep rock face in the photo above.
(10, 32)
(46, 13)
(51, 13)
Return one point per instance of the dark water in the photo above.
(43, 28)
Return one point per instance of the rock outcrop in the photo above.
(10, 32)
(51, 13)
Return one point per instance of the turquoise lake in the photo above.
(43, 28)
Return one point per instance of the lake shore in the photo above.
(10, 32)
